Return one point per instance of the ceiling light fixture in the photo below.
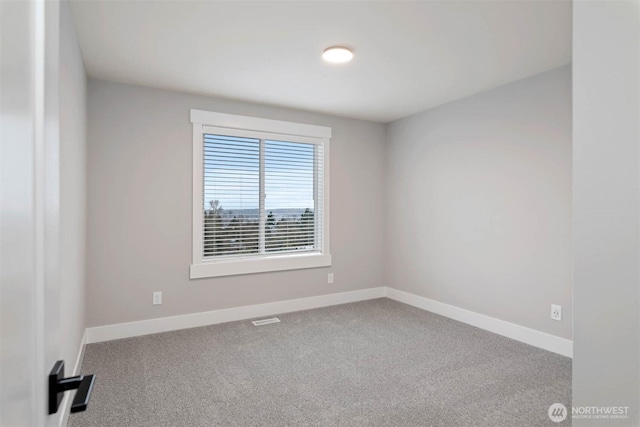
(337, 54)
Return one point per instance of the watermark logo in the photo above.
(557, 412)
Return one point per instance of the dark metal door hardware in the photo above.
(58, 385)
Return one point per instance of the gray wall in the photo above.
(73, 142)
(139, 206)
(606, 201)
(479, 202)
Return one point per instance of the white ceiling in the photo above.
(409, 56)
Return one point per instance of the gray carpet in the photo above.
(373, 363)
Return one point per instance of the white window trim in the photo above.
(207, 121)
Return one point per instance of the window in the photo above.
(260, 195)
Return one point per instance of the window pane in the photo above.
(231, 195)
(290, 174)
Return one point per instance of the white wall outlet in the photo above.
(330, 278)
(556, 312)
(157, 298)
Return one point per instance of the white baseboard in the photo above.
(80, 358)
(166, 324)
(65, 406)
(510, 330)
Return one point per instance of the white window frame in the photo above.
(210, 122)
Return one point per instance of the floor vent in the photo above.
(265, 321)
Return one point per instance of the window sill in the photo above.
(258, 265)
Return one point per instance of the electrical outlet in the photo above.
(330, 278)
(556, 312)
(157, 298)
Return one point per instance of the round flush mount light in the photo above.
(337, 54)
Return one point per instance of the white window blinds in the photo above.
(261, 196)
(231, 195)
